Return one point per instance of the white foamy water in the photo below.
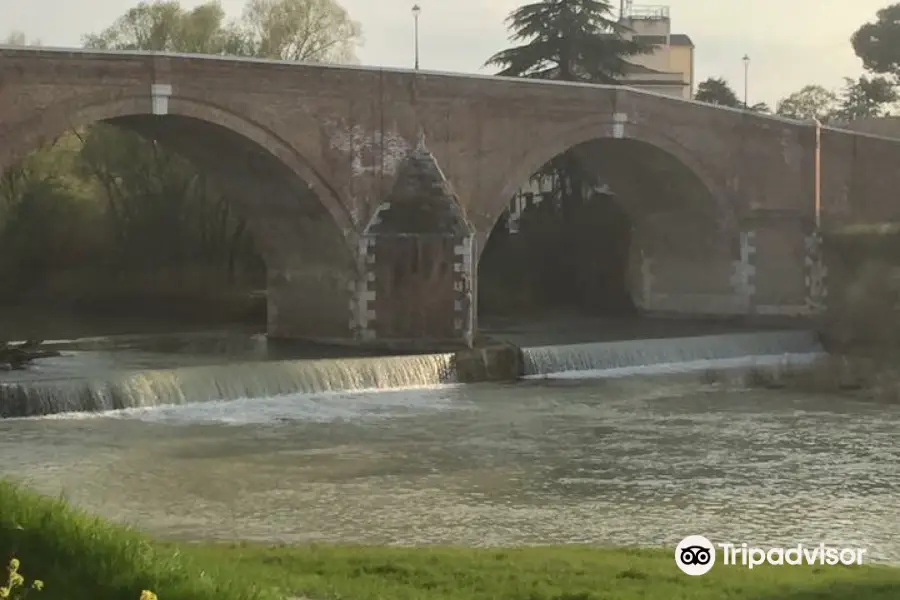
(670, 354)
(322, 408)
(689, 366)
(130, 389)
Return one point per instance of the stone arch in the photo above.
(30, 134)
(307, 299)
(548, 148)
(679, 260)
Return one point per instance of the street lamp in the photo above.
(746, 60)
(817, 174)
(416, 10)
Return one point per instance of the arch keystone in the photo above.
(619, 121)
(159, 97)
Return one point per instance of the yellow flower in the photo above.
(14, 564)
(37, 584)
(148, 595)
(4, 592)
(15, 579)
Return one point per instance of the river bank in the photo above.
(79, 557)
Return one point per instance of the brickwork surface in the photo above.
(314, 151)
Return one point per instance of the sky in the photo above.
(791, 43)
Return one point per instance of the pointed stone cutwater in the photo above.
(417, 256)
(421, 201)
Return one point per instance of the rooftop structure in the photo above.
(669, 68)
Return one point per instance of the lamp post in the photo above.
(416, 10)
(746, 60)
(817, 174)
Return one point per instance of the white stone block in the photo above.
(159, 95)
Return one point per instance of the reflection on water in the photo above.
(609, 462)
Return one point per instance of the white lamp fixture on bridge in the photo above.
(416, 11)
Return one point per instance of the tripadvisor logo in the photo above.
(696, 555)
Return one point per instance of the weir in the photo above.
(60, 388)
(672, 354)
(221, 382)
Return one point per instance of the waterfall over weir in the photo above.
(220, 382)
(673, 355)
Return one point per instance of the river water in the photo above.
(608, 461)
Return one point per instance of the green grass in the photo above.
(80, 557)
(83, 558)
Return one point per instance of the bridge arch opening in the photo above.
(195, 216)
(615, 228)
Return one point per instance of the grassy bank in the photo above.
(79, 557)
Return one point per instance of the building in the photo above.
(669, 69)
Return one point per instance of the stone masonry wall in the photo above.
(346, 131)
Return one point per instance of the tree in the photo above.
(716, 90)
(878, 43)
(15, 38)
(570, 40)
(299, 30)
(18, 38)
(810, 102)
(102, 198)
(165, 27)
(865, 97)
(761, 107)
(148, 191)
(148, 188)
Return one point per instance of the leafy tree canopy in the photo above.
(18, 38)
(877, 43)
(859, 98)
(15, 38)
(716, 90)
(572, 40)
(810, 102)
(299, 30)
(866, 97)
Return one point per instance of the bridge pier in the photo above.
(309, 273)
(308, 302)
(779, 270)
(685, 267)
(784, 270)
(416, 285)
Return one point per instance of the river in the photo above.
(607, 461)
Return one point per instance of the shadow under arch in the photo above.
(663, 227)
(304, 232)
(546, 149)
(29, 135)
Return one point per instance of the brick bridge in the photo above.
(372, 192)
